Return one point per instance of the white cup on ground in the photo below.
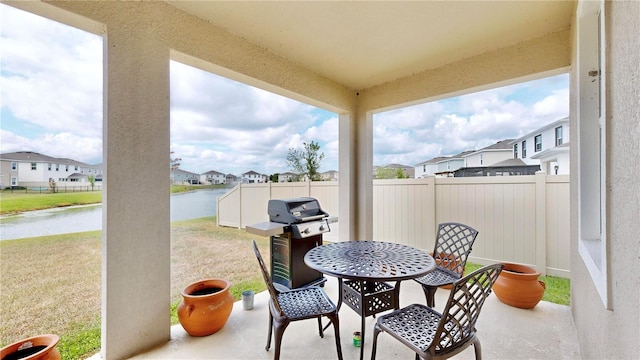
(247, 299)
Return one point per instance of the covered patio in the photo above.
(356, 59)
(544, 332)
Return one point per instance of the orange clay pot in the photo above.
(206, 306)
(40, 347)
(518, 285)
(444, 260)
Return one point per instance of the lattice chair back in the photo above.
(458, 322)
(454, 242)
(267, 279)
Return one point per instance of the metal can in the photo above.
(357, 339)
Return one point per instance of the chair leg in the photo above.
(430, 294)
(477, 348)
(280, 327)
(320, 327)
(270, 331)
(335, 320)
(374, 345)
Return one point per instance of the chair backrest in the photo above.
(453, 246)
(458, 322)
(267, 279)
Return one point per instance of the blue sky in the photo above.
(51, 102)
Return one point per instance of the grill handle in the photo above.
(311, 218)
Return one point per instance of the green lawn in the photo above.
(11, 203)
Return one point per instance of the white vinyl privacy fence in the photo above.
(522, 219)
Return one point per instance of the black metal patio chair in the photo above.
(434, 335)
(294, 305)
(453, 245)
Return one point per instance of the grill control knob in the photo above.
(321, 228)
(305, 231)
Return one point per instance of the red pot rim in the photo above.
(219, 283)
(48, 340)
(518, 269)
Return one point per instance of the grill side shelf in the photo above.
(268, 228)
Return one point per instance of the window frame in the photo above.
(524, 149)
(591, 146)
(558, 135)
(515, 151)
(537, 143)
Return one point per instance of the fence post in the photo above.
(240, 207)
(541, 220)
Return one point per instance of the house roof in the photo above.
(32, 156)
(509, 162)
(251, 173)
(213, 172)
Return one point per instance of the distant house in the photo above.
(183, 177)
(287, 177)
(489, 155)
(428, 167)
(213, 177)
(231, 179)
(251, 177)
(32, 169)
(448, 165)
(547, 146)
(331, 175)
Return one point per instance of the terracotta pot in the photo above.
(206, 306)
(444, 260)
(40, 347)
(518, 286)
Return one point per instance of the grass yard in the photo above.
(16, 202)
(52, 284)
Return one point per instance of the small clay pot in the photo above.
(40, 347)
(518, 286)
(206, 306)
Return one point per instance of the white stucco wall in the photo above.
(614, 333)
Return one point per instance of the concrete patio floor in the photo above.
(545, 332)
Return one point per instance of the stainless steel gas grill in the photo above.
(295, 226)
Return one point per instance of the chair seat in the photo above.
(414, 325)
(439, 277)
(305, 303)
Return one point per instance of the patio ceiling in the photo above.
(364, 44)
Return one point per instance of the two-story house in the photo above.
(32, 169)
(489, 155)
(251, 177)
(213, 177)
(547, 146)
(180, 177)
(287, 177)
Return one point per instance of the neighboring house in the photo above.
(231, 179)
(546, 146)
(489, 155)
(331, 175)
(251, 177)
(448, 165)
(213, 177)
(32, 169)
(287, 177)
(181, 177)
(426, 168)
(503, 168)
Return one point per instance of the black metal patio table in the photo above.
(366, 266)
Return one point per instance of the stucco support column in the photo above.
(348, 166)
(364, 211)
(136, 222)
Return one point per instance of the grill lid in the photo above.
(297, 210)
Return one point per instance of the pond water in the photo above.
(184, 206)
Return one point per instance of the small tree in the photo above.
(385, 173)
(92, 181)
(400, 174)
(307, 161)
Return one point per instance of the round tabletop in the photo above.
(370, 260)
